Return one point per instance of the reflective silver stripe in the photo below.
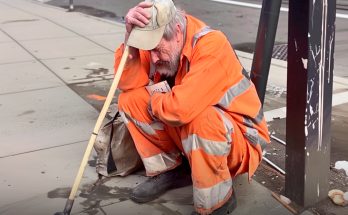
(251, 121)
(160, 162)
(254, 138)
(259, 116)
(245, 73)
(248, 122)
(205, 30)
(252, 135)
(207, 198)
(194, 142)
(145, 127)
(263, 143)
(123, 117)
(227, 123)
(157, 125)
(234, 91)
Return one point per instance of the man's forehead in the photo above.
(160, 45)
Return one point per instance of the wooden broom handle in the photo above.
(99, 123)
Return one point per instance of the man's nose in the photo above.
(154, 57)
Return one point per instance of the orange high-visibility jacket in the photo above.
(209, 74)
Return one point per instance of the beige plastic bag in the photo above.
(116, 152)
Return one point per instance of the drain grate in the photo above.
(280, 52)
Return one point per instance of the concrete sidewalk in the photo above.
(55, 66)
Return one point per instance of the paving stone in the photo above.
(81, 25)
(26, 76)
(41, 180)
(9, 13)
(32, 30)
(111, 41)
(63, 47)
(14, 53)
(43, 118)
(4, 38)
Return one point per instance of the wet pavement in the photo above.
(57, 72)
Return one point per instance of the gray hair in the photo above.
(180, 19)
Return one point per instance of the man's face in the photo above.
(166, 57)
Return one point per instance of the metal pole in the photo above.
(264, 45)
(309, 99)
(71, 5)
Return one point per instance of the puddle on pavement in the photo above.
(97, 72)
(93, 198)
(100, 88)
(92, 201)
(59, 193)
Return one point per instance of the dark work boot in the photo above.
(155, 186)
(226, 208)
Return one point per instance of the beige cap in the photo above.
(148, 37)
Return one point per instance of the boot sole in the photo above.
(141, 200)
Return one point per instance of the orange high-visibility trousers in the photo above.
(213, 143)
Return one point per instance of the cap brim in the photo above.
(145, 39)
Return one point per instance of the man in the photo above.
(212, 115)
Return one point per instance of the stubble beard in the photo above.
(169, 68)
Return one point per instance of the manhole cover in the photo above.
(280, 52)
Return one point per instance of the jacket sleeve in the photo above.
(135, 73)
(213, 69)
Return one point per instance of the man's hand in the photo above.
(136, 16)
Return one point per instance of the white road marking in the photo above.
(252, 5)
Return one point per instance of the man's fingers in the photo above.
(136, 22)
(145, 4)
(143, 11)
(138, 16)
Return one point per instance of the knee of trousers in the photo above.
(133, 100)
(210, 132)
(209, 124)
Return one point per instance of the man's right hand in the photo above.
(136, 16)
